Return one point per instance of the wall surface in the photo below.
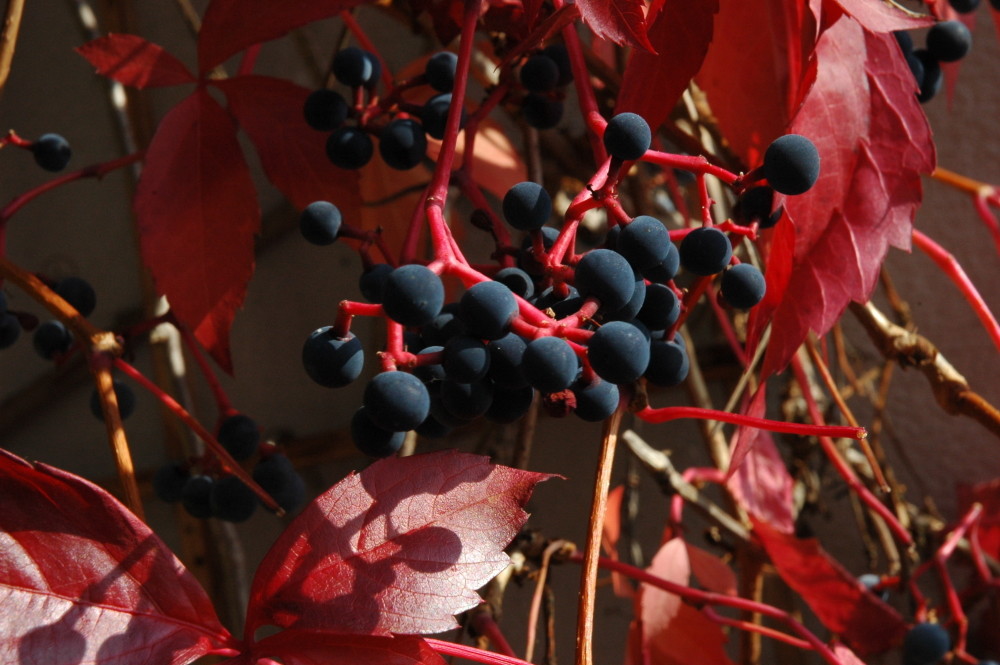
(86, 229)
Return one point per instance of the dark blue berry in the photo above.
(791, 164)
(320, 223)
(627, 136)
(52, 152)
(349, 148)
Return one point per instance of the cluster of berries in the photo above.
(204, 490)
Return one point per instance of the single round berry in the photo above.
(756, 205)
(549, 364)
(77, 292)
(661, 308)
(320, 223)
(619, 352)
(231, 500)
(743, 286)
(52, 152)
(169, 481)
(371, 439)
(597, 401)
(354, 67)
(705, 251)
(518, 281)
(396, 401)
(125, 397)
(372, 281)
(964, 6)
(196, 497)
(325, 110)
(607, 276)
(413, 295)
(10, 330)
(276, 476)
(402, 144)
(627, 136)
(933, 78)
(434, 115)
(949, 41)
(487, 309)
(332, 361)
(466, 359)
(665, 270)
(541, 112)
(791, 164)
(560, 56)
(925, 643)
(239, 434)
(644, 241)
(668, 363)
(506, 355)
(51, 339)
(440, 70)
(466, 401)
(540, 73)
(349, 148)
(527, 206)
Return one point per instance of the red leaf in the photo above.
(84, 580)
(229, 26)
(874, 142)
(620, 21)
(884, 16)
(988, 494)
(197, 212)
(845, 655)
(292, 647)
(680, 35)
(131, 60)
(711, 571)
(754, 86)
(761, 483)
(674, 633)
(611, 531)
(399, 548)
(293, 155)
(840, 602)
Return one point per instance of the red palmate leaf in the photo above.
(399, 548)
(874, 142)
(884, 16)
(131, 60)
(294, 647)
(620, 21)
(197, 215)
(672, 632)
(836, 597)
(229, 26)
(293, 155)
(680, 35)
(757, 71)
(82, 579)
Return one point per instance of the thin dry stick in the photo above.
(100, 367)
(8, 39)
(588, 578)
(536, 598)
(910, 349)
(831, 387)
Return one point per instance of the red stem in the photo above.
(668, 413)
(954, 271)
(249, 60)
(472, 653)
(486, 626)
(751, 627)
(982, 204)
(696, 164)
(222, 401)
